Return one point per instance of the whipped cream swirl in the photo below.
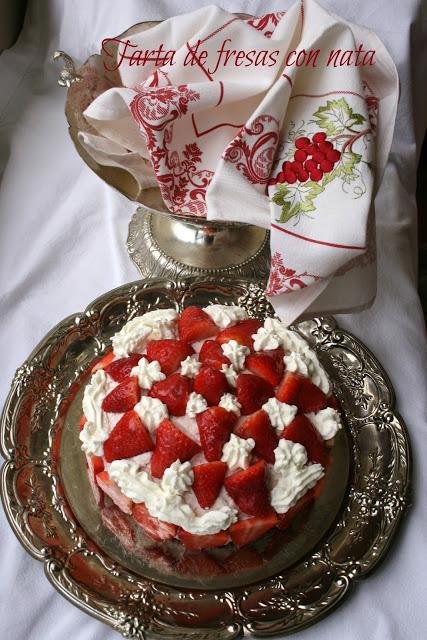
(280, 413)
(237, 452)
(177, 478)
(97, 429)
(230, 402)
(147, 373)
(230, 374)
(327, 422)
(291, 477)
(190, 367)
(151, 411)
(225, 316)
(134, 335)
(137, 486)
(195, 404)
(236, 353)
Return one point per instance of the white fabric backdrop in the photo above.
(62, 243)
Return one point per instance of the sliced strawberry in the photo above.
(249, 490)
(301, 430)
(310, 398)
(258, 427)
(173, 392)
(285, 519)
(252, 392)
(289, 388)
(169, 353)
(242, 559)
(246, 531)
(266, 367)
(215, 425)
(171, 444)
(211, 384)
(198, 564)
(117, 522)
(154, 528)
(103, 362)
(241, 332)
(212, 355)
(129, 438)
(82, 422)
(194, 324)
(97, 464)
(120, 369)
(191, 541)
(208, 480)
(123, 397)
(110, 488)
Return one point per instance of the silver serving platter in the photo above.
(296, 586)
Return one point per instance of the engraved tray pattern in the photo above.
(41, 518)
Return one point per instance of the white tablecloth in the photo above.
(62, 243)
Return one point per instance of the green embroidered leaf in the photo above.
(344, 169)
(337, 116)
(296, 198)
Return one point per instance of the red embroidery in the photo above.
(253, 149)
(182, 185)
(267, 23)
(285, 280)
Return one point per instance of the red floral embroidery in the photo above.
(253, 149)
(182, 185)
(285, 280)
(267, 22)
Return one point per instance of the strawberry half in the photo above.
(123, 397)
(194, 324)
(241, 332)
(246, 531)
(258, 427)
(120, 369)
(301, 430)
(215, 425)
(171, 444)
(289, 388)
(112, 490)
(154, 528)
(129, 438)
(249, 490)
(169, 353)
(310, 398)
(267, 367)
(103, 362)
(209, 541)
(212, 355)
(242, 559)
(173, 392)
(208, 480)
(252, 392)
(211, 384)
(82, 422)
(332, 401)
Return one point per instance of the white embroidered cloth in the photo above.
(263, 138)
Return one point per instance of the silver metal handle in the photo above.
(68, 75)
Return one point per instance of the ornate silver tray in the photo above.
(298, 583)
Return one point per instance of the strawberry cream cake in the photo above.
(208, 427)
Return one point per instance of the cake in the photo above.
(206, 427)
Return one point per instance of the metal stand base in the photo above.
(162, 246)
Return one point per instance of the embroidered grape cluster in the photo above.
(312, 159)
